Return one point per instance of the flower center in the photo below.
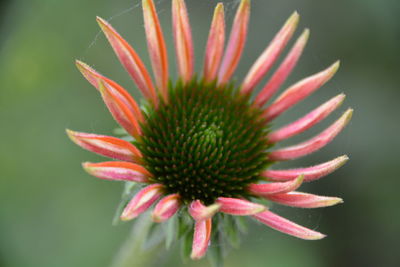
(206, 142)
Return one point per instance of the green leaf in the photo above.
(129, 191)
(215, 251)
(155, 236)
(186, 245)
(231, 231)
(171, 230)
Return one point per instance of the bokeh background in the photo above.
(53, 214)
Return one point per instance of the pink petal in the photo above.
(270, 54)
(106, 145)
(183, 39)
(304, 200)
(131, 61)
(275, 188)
(241, 207)
(119, 110)
(118, 171)
(94, 78)
(307, 121)
(201, 238)
(283, 71)
(285, 226)
(215, 44)
(156, 46)
(200, 212)
(310, 173)
(314, 143)
(166, 208)
(236, 42)
(142, 201)
(299, 91)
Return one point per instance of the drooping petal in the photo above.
(270, 54)
(314, 143)
(183, 39)
(166, 208)
(304, 200)
(201, 238)
(299, 91)
(215, 44)
(275, 188)
(201, 212)
(108, 146)
(285, 226)
(130, 60)
(241, 207)
(307, 121)
(156, 46)
(118, 171)
(119, 110)
(283, 71)
(310, 173)
(94, 78)
(236, 42)
(142, 201)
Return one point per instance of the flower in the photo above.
(202, 145)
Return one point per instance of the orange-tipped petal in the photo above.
(285, 226)
(201, 212)
(310, 173)
(183, 39)
(264, 63)
(304, 200)
(108, 146)
(215, 44)
(239, 207)
(94, 78)
(299, 91)
(283, 71)
(314, 143)
(275, 188)
(307, 121)
(166, 208)
(130, 60)
(142, 201)
(156, 46)
(201, 238)
(236, 42)
(118, 171)
(119, 110)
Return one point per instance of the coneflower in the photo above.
(202, 146)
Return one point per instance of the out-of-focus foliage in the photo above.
(54, 214)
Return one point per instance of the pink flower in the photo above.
(201, 145)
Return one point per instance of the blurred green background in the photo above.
(53, 214)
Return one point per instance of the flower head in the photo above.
(201, 145)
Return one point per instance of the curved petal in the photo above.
(307, 121)
(299, 91)
(285, 226)
(310, 173)
(201, 238)
(275, 188)
(108, 146)
(236, 42)
(130, 60)
(166, 208)
(283, 71)
(215, 44)
(304, 200)
(240, 207)
(183, 39)
(201, 212)
(156, 46)
(121, 112)
(118, 171)
(142, 201)
(94, 78)
(314, 143)
(264, 63)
